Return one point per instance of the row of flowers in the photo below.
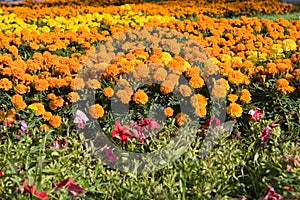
(175, 8)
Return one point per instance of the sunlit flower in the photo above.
(256, 113)
(234, 110)
(96, 111)
(265, 132)
(245, 96)
(168, 111)
(121, 132)
(140, 97)
(31, 190)
(55, 121)
(108, 92)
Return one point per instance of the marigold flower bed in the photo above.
(55, 55)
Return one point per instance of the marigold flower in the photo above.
(181, 119)
(219, 89)
(21, 89)
(196, 81)
(77, 84)
(124, 96)
(108, 92)
(41, 85)
(234, 110)
(96, 111)
(10, 114)
(38, 108)
(47, 115)
(73, 97)
(168, 111)
(160, 74)
(198, 100)
(56, 103)
(55, 121)
(17, 100)
(140, 97)
(166, 86)
(185, 90)
(283, 86)
(289, 45)
(245, 96)
(232, 98)
(43, 128)
(5, 84)
(93, 84)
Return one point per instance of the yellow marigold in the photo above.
(289, 45)
(21, 89)
(96, 111)
(56, 103)
(232, 98)
(41, 85)
(168, 111)
(165, 58)
(93, 84)
(55, 121)
(140, 97)
(73, 97)
(5, 84)
(44, 128)
(160, 74)
(245, 96)
(108, 92)
(283, 86)
(17, 100)
(38, 108)
(185, 90)
(181, 119)
(196, 81)
(47, 115)
(234, 110)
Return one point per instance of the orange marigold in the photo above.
(41, 85)
(96, 111)
(77, 84)
(245, 96)
(56, 103)
(21, 89)
(55, 121)
(232, 98)
(181, 119)
(44, 128)
(108, 92)
(140, 97)
(185, 90)
(73, 97)
(196, 81)
(93, 84)
(5, 84)
(168, 111)
(47, 115)
(17, 100)
(40, 109)
(283, 86)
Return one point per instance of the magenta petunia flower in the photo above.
(108, 153)
(265, 133)
(80, 119)
(23, 127)
(256, 113)
(1, 173)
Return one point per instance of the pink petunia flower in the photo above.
(56, 143)
(34, 192)
(108, 153)
(149, 124)
(80, 119)
(271, 194)
(73, 188)
(256, 113)
(265, 133)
